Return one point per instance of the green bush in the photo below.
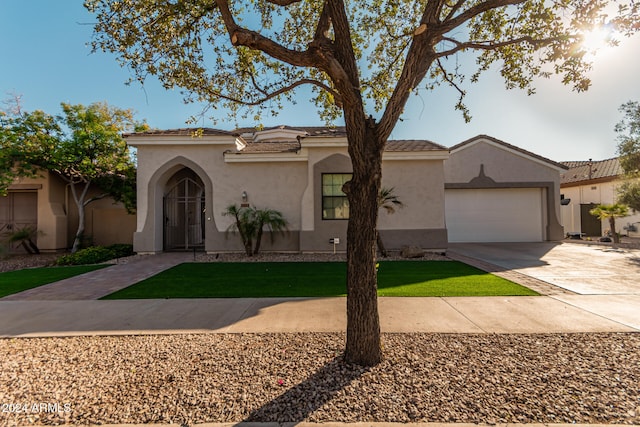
(121, 249)
(96, 254)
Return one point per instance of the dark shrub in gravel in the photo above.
(96, 254)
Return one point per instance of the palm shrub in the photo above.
(611, 212)
(388, 201)
(24, 236)
(250, 223)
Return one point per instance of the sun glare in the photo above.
(597, 39)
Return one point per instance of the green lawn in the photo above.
(317, 279)
(12, 282)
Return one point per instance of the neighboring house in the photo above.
(45, 204)
(587, 184)
(187, 178)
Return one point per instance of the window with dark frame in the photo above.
(334, 202)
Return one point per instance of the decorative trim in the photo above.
(232, 157)
(24, 187)
(483, 180)
(415, 155)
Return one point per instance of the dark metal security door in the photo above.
(184, 207)
(589, 224)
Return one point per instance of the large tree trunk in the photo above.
(363, 345)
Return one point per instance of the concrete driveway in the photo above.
(600, 279)
(580, 268)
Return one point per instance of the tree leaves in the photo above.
(187, 44)
(82, 145)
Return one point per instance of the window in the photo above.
(334, 202)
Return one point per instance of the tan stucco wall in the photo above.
(507, 167)
(499, 164)
(291, 186)
(106, 222)
(419, 185)
(52, 215)
(273, 185)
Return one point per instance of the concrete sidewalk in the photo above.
(444, 315)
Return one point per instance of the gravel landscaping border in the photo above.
(17, 262)
(186, 379)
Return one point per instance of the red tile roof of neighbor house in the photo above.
(586, 171)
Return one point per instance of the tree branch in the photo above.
(244, 37)
(454, 8)
(419, 58)
(452, 83)
(492, 45)
(269, 95)
(283, 2)
(324, 23)
(474, 11)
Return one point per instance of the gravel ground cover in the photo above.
(185, 379)
(18, 262)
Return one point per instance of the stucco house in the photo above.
(587, 184)
(44, 203)
(483, 190)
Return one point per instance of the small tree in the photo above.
(628, 130)
(629, 194)
(611, 212)
(250, 223)
(388, 201)
(84, 147)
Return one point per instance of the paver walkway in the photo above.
(99, 283)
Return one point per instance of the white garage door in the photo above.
(494, 215)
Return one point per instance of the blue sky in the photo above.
(46, 59)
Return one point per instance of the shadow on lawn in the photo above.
(300, 401)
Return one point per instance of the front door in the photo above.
(184, 210)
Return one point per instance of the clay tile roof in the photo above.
(585, 170)
(412, 145)
(182, 132)
(271, 147)
(309, 130)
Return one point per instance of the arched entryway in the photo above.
(184, 212)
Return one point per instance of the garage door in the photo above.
(494, 215)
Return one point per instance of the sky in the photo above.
(46, 58)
